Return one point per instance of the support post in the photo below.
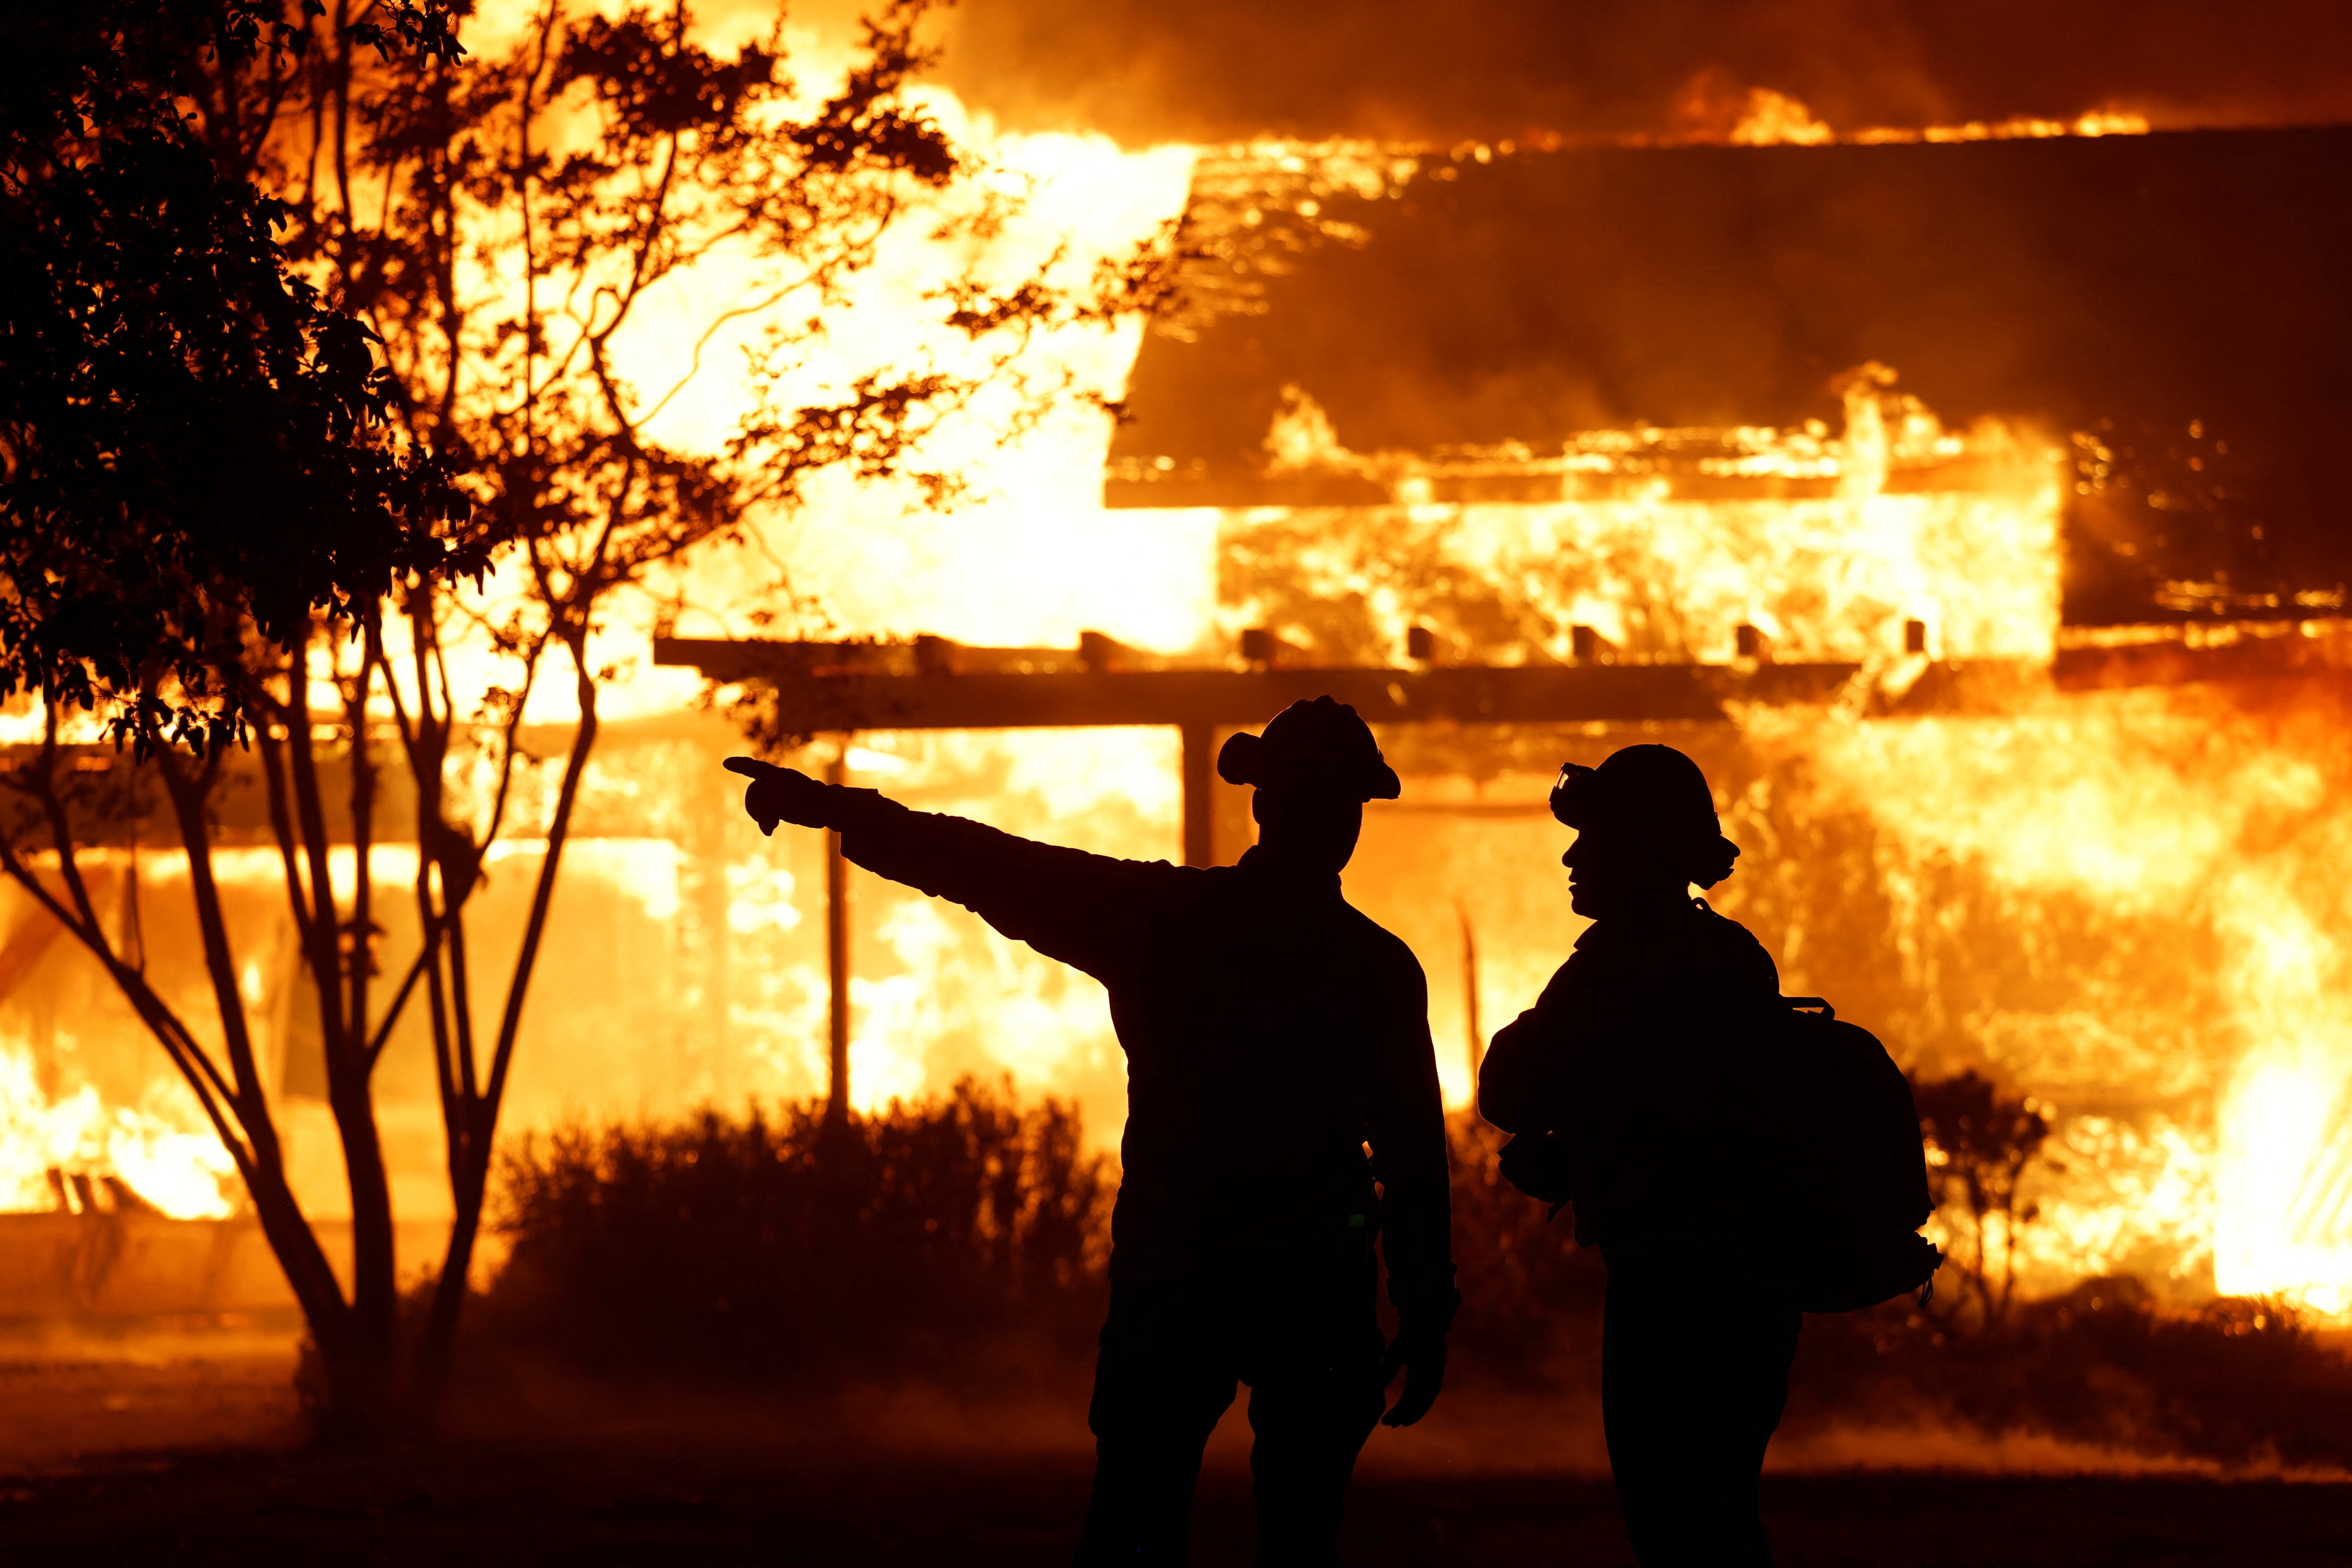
(1200, 793)
(709, 1059)
(837, 962)
(1470, 995)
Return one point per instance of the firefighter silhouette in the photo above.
(1272, 1032)
(1630, 1085)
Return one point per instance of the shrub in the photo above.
(1524, 1280)
(2234, 1380)
(910, 1244)
(781, 1252)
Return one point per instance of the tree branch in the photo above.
(559, 832)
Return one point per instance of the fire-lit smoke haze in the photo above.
(1496, 69)
(2128, 905)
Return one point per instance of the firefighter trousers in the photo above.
(1307, 1342)
(1692, 1381)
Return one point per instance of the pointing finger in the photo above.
(752, 767)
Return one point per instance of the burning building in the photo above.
(1964, 504)
(2098, 472)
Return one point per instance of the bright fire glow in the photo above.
(2171, 811)
(1028, 556)
(1774, 119)
(61, 1151)
(2131, 806)
(1770, 119)
(1967, 543)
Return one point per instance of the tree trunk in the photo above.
(474, 1116)
(349, 1393)
(375, 1293)
(437, 1356)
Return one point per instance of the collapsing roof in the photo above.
(2183, 301)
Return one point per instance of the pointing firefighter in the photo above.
(1272, 1034)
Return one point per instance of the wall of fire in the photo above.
(2126, 903)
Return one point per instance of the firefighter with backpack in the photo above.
(1664, 1088)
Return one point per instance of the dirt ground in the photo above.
(579, 1507)
(164, 1446)
(74, 1392)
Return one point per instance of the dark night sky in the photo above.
(1443, 69)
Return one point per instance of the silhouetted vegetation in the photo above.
(195, 436)
(2235, 1379)
(1520, 1278)
(766, 1248)
(1980, 1143)
(263, 431)
(747, 1250)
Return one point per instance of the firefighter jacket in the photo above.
(1272, 1033)
(1640, 1057)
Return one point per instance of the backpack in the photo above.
(1849, 1164)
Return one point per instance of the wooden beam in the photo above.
(812, 697)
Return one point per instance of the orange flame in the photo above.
(2131, 802)
(2174, 805)
(69, 1152)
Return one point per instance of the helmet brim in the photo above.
(1246, 759)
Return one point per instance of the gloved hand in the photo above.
(1540, 1166)
(780, 794)
(1419, 1351)
(1422, 1357)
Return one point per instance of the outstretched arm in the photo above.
(1084, 909)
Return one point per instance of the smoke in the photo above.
(1218, 69)
(1843, 1449)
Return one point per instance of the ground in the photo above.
(582, 1509)
(158, 1448)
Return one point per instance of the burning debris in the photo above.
(78, 1154)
